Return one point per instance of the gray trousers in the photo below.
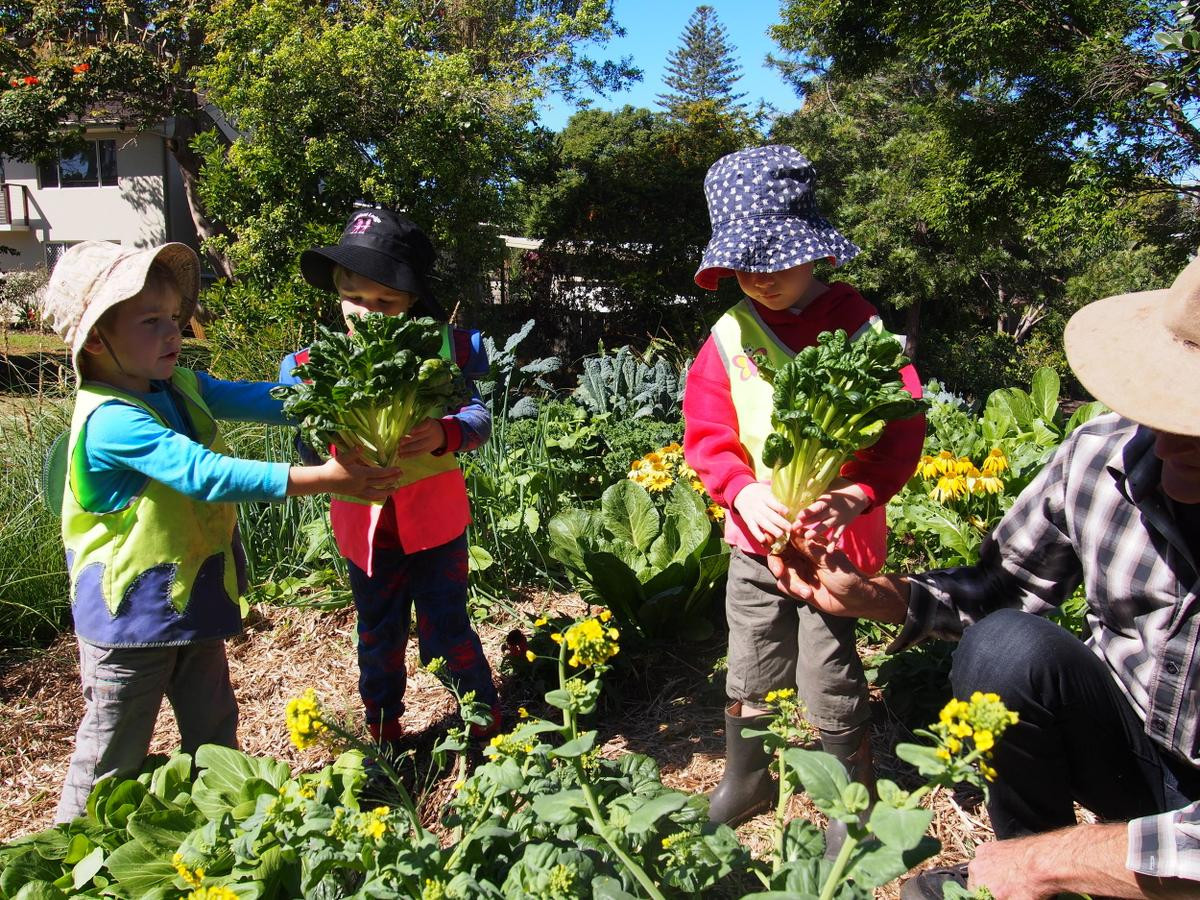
(123, 690)
(776, 641)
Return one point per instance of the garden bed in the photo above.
(665, 704)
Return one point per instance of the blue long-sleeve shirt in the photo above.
(125, 445)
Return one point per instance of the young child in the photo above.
(767, 233)
(412, 550)
(148, 516)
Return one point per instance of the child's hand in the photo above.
(764, 513)
(427, 436)
(827, 517)
(343, 474)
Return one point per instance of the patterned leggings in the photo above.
(435, 581)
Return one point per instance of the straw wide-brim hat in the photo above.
(94, 276)
(1140, 353)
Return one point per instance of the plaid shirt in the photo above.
(1095, 514)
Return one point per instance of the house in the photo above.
(123, 186)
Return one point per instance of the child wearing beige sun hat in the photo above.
(148, 507)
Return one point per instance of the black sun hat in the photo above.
(383, 246)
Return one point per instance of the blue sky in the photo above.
(653, 30)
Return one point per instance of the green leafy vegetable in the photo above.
(370, 388)
(830, 401)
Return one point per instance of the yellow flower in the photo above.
(556, 637)
(433, 889)
(459, 785)
(944, 462)
(435, 665)
(653, 459)
(659, 482)
(635, 465)
(943, 754)
(191, 877)
(539, 621)
(716, 513)
(995, 462)
(374, 824)
(672, 447)
(780, 695)
(605, 615)
(219, 892)
(304, 720)
(591, 643)
(984, 739)
(522, 712)
(987, 484)
(963, 466)
(530, 655)
(949, 488)
(927, 467)
(987, 771)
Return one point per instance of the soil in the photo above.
(665, 703)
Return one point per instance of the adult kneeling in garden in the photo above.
(1111, 722)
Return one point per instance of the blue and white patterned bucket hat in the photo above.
(764, 216)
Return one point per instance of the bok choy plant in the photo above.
(369, 388)
(830, 401)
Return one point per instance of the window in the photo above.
(94, 165)
(54, 250)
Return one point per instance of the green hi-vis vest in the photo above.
(165, 568)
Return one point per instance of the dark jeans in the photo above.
(1078, 738)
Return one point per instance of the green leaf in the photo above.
(1044, 393)
(567, 533)
(138, 870)
(559, 808)
(823, 777)
(478, 559)
(86, 868)
(647, 815)
(874, 865)
(577, 747)
(39, 890)
(630, 515)
(900, 828)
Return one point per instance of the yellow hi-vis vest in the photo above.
(165, 568)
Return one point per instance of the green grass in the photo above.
(33, 578)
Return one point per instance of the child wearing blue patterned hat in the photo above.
(768, 234)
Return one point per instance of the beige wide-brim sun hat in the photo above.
(94, 276)
(1140, 353)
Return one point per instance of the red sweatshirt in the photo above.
(710, 440)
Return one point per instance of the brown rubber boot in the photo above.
(852, 748)
(746, 788)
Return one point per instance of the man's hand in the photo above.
(824, 578)
(828, 581)
(764, 513)
(827, 517)
(428, 435)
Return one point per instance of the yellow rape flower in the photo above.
(191, 877)
(304, 720)
(539, 621)
(984, 739)
(530, 655)
(605, 615)
(218, 892)
(591, 643)
(522, 712)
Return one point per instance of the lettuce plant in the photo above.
(830, 401)
(369, 388)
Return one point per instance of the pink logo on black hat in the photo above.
(362, 224)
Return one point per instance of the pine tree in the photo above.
(703, 69)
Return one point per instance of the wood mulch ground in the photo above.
(667, 705)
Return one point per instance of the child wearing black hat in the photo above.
(412, 550)
(767, 233)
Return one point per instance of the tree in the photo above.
(306, 87)
(620, 203)
(703, 69)
(967, 151)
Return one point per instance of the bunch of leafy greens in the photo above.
(830, 401)
(369, 388)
